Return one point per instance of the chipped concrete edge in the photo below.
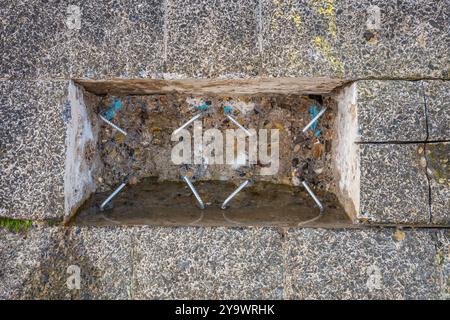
(346, 151)
(81, 132)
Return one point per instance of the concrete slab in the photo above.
(40, 265)
(391, 111)
(438, 106)
(208, 263)
(33, 148)
(438, 168)
(443, 260)
(363, 264)
(207, 39)
(393, 184)
(35, 40)
(19, 256)
(355, 38)
(119, 39)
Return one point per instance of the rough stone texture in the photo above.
(362, 264)
(120, 38)
(212, 38)
(345, 38)
(443, 260)
(176, 38)
(393, 184)
(391, 111)
(35, 266)
(19, 256)
(438, 168)
(32, 148)
(438, 105)
(35, 39)
(208, 263)
(225, 263)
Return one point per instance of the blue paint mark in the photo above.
(317, 133)
(111, 112)
(314, 111)
(203, 107)
(227, 109)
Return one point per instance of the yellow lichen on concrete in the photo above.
(326, 8)
(284, 10)
(326, 50)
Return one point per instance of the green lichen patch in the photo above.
(15, 225)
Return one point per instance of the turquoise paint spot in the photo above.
(227, 109)
(317, 133)
(313, 111)
(203, 107)
(111, 112)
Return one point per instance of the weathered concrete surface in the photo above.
(364, 264)
(355, 38)
(258, 263)
(443, 260)
(438, 168)
(267, 38)
(391, 111)
(208, 263)
(33, 121)
(118, 39)
(393, 184)
(36, 266)
(35, 39)
(60, 39)
(438, 106)
(212, 39)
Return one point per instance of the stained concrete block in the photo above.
(35, 39)
(19, 256)
(118, 39)
(362, 264)
(355, 38)
(391, 111)
(36, 266)
(393, 184)
(33, 121)
(438, 105)
(82, 39)
(212, 39)
(438, 168)
(208, 263)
